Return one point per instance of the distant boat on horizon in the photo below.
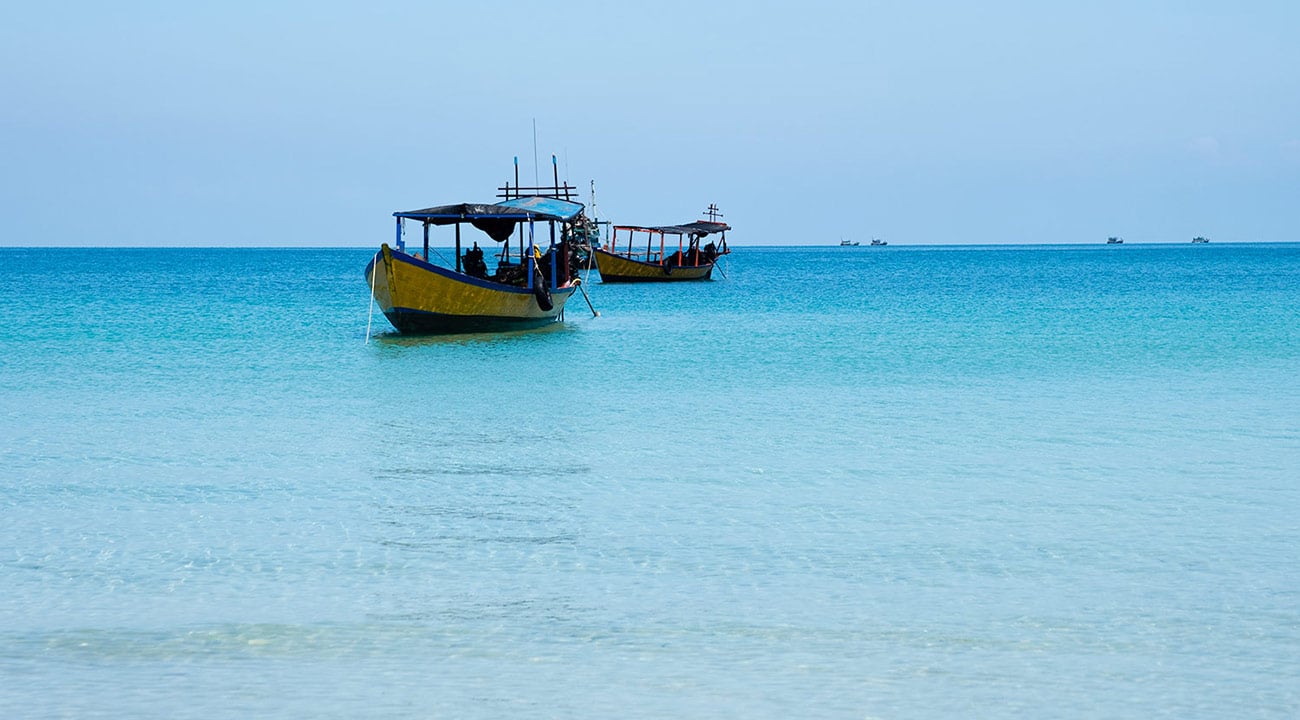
(848, 243)
(1114, 241)
(1198, 240)
(878, 241)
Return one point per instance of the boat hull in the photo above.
(616, 268)
(419, 298)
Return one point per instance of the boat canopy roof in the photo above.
(497, 220)
(547, 206)
(700, 227)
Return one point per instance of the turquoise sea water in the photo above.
(901, 482)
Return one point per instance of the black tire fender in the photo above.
(542, 292)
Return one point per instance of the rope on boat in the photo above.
(440, 257)
(371, 296)
(591, 257)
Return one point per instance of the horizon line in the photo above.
(744, 245)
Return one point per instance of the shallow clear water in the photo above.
(841, 482)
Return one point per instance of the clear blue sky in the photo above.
(308, 124)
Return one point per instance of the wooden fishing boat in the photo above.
(422, 298)
(656, 263)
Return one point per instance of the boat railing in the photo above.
(652, 256)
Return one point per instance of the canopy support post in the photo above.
(554, 277)
(526, 262)
(457, 247)
(426, 241)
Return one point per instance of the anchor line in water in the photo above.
(370, 315)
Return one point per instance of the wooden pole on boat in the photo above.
(457, 247)
(426, 241)
(555, 171)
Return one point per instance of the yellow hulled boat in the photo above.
(529, 291)
(657, 262)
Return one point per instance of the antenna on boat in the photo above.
(713, 212)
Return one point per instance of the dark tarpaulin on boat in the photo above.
(498, 222)
(704, 227)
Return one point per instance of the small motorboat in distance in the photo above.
(878, 241)
(848, 243)
(1114, 241)
(1198, 240)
